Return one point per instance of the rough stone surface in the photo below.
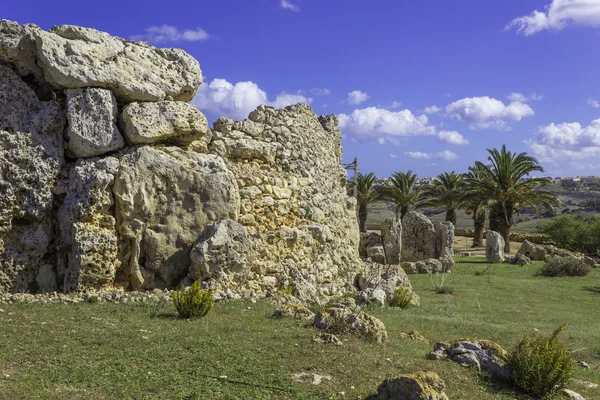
(518, 259)
(165, 121)
(571, 395)
(31, 156)
(377, 254)
(165, 197)
(294, 310)
(377, 283)
(76, 57)
(417, 386)
(92, 115)
(224, 252)
(483, 355)
(418, 237)
(414, 336)
(444, 244)
(391, 237)
(532, 251)
(429, 266)
(367, 240)
(10, 36)
(494, 247)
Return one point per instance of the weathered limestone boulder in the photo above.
(88, 232)
(165, 197)
(444, 244)
(293, 310)
(494, 247)
(46, 279)
(429, 266)
(164, 121)
(368, 240)
(391, 236)
(348, 318)
(224, 252)
(571, 395)
(76, 57)
(518, 259)
(418, 237)
(10, 36)
(532, 251)
(417, 386)
(483, 355)
(377, 254)
(377, 283)
(31, 156)
(92, 115)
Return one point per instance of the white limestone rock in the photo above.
(391, 236)
(165, 197)
(494, 247)
(172, 121)
(418, 237)
(92, 115)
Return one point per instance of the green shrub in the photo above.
(441, 286)
(565, 266)
(401, 297)
(540, 365)
(193, 302)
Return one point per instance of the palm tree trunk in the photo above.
(505, 224)
(362, 218)
(403, 211)
(478, 224)
(495, 217)
(451, 216)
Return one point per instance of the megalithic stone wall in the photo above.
(109, 178)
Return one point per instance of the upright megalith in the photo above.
(494, 247)
(444, 244)
(391, 236)
(418, 237)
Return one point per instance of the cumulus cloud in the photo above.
(593, 102)
(238, 100)
(566, 141)
(486, 112)
(452, 137)
(432, 109)
(396, 104)
(357, 97)
(393, 155)
(288, 5)
(320, 91)
(521, 98)
(558, 15)
(377, 122)
(444, 155)
(168, 33)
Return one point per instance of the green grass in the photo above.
(117, 351)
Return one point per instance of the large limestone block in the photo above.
(533, 251)
(76, 57)
(87, 226)
(165, 197)
(418, 237)
(92, 115)
(444, 244)
(391, 236)
(494, 247)
(418, 386)
(30, 160)
(10, 36)
(172, 121)
(224, 252)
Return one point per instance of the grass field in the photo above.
(118, 351)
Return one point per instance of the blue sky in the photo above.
(425, 85)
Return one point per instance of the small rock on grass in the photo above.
(571, 395)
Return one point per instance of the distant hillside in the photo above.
(579, 196)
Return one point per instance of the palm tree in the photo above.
(402, 191)
(445, 192)
(366, 193)
(474, 207)
(505, 186)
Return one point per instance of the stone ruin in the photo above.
(415, 243)
(110, 179)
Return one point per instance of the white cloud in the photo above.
(486, 112)
(566, 141)
(374, 122)
(237, 101)
(168, 33)
(393, 155)
(324, 105)
(396, 104)
(444, 155)
(320, 91)
(431, 165)
(432, 109)
(558, 15)
(521, 98)
(288, 5)
(593, 102)
(357, 97)
(381, 140)
(452, 137)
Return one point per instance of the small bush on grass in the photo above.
(565, 266)
(193, 302)
(540, 365)
(401, 297)
(441, 286)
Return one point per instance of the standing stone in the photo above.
(223, 252)
(444, 244)
(164, 197)
(92, 116)
(494, 247)
(367, 240)
(377, 254)
(391, 236)
(418, 237)
(172, 121)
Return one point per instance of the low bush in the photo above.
(401, 297)
(540, 365)
(565, 266)
(441, 286)
(193, 302)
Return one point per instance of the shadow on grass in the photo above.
(592, 289)
(471, 261)
(503, 387)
